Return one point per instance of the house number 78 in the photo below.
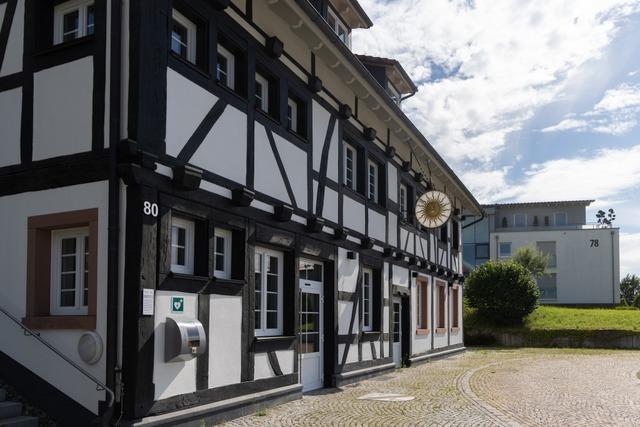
(595, 243)
(150, 209)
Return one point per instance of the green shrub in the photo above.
(504, 292)
(533, 259)
(636, 301)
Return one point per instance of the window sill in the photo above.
(65, 45)
(273, 343)
(441, 331)
(195, 67)
(85, 322)
(370, 335)
(455, 329)
(423, 331)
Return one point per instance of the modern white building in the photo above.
(207, 207)
(584, 259)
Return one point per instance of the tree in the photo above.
(629, 288)
(636, 301)
(533, 259)
(606, 219)
(504, 292)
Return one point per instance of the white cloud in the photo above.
(629, 253)
(616, 113)
(491, 63)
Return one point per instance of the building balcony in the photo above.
(529, 228)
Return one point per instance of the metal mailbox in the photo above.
(184, 339)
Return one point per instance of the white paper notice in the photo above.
(147, 302)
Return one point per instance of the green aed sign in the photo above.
(177, 304)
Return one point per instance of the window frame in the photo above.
(515, 222)
(339, 24)
(422, 305)
(555, 219)
(192, 36)
(264, 98)
(372, 194)
(403, 203)
(63, 9)
(231, 67)
(57, 236)
(227, 235)
(367, 326)
(500, 255)
(292, 122)
(263, 331)
(189, 245)
(441, 307)
(354, 170)
(455, 308)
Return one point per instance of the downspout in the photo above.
(613, 269)
(482, 216)
(114, 201)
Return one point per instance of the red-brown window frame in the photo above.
(441, 295)
(38, 309)
(455, 308)
(422, 318)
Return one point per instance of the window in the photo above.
(548, 287)
(350, 166)
(310, 270)
(455, 307)
(444, 233)
(367, 299)
(222, 253)
(225, 68)
(422, 304)
(372, 181)
(182, 244)
(403, 201)
(62, 270)
(292, 115)
(504, 249)
(262, 93)
(393, 92)
(268, 292)
(482, 251)
(520, 220)
(70, 271)
(338, 27)
(548, 248)
(455, 239)
(560, 218)
(73, 20)
(442, 301)
(183, 37)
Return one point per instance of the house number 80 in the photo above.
(150, 209)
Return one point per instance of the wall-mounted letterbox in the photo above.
(184, 339)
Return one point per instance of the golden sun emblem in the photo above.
(433, 209)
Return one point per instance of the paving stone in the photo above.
(526, 387)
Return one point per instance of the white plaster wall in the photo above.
(172, 378)
(13, 56)
(14, 211)
(377, 225)
(440, 340)
(330, 207)
(410, 243)
(457, 336)
(424, 248)
(10, 114)
(225, 346)
(385, 294)
(224, 150)
(63, 109)
(345, 309)
(353, 214)
(392, 182)
(400, 276)
(320, 123)
(295, 163)
(366, 351)
(584, 274)
(267, 175)
(432, 245)
(285, 360)
(262, 367)
(421, 343)
(216, 189)
(187, 105)
(393, 229)
(347, 271)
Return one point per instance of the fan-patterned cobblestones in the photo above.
(526, 387)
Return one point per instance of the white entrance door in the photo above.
(311, 325)
(397, 331)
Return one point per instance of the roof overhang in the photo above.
(584, 203)
(352, 13)
(396, 74)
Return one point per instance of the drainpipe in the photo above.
(482, 216)
(613, 269)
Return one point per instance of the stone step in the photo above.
(10, 409)
(3, 395)
(21, 421)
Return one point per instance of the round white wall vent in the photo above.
(90, 347)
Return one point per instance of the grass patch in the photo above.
(552, 318)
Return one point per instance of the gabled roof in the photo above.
(395, 72)
(352, 13)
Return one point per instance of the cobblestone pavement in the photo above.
(527, 387)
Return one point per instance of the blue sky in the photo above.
(527, 100)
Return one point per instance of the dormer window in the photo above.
(395, 95)
(338, 27)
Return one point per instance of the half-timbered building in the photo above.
(208, 206)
